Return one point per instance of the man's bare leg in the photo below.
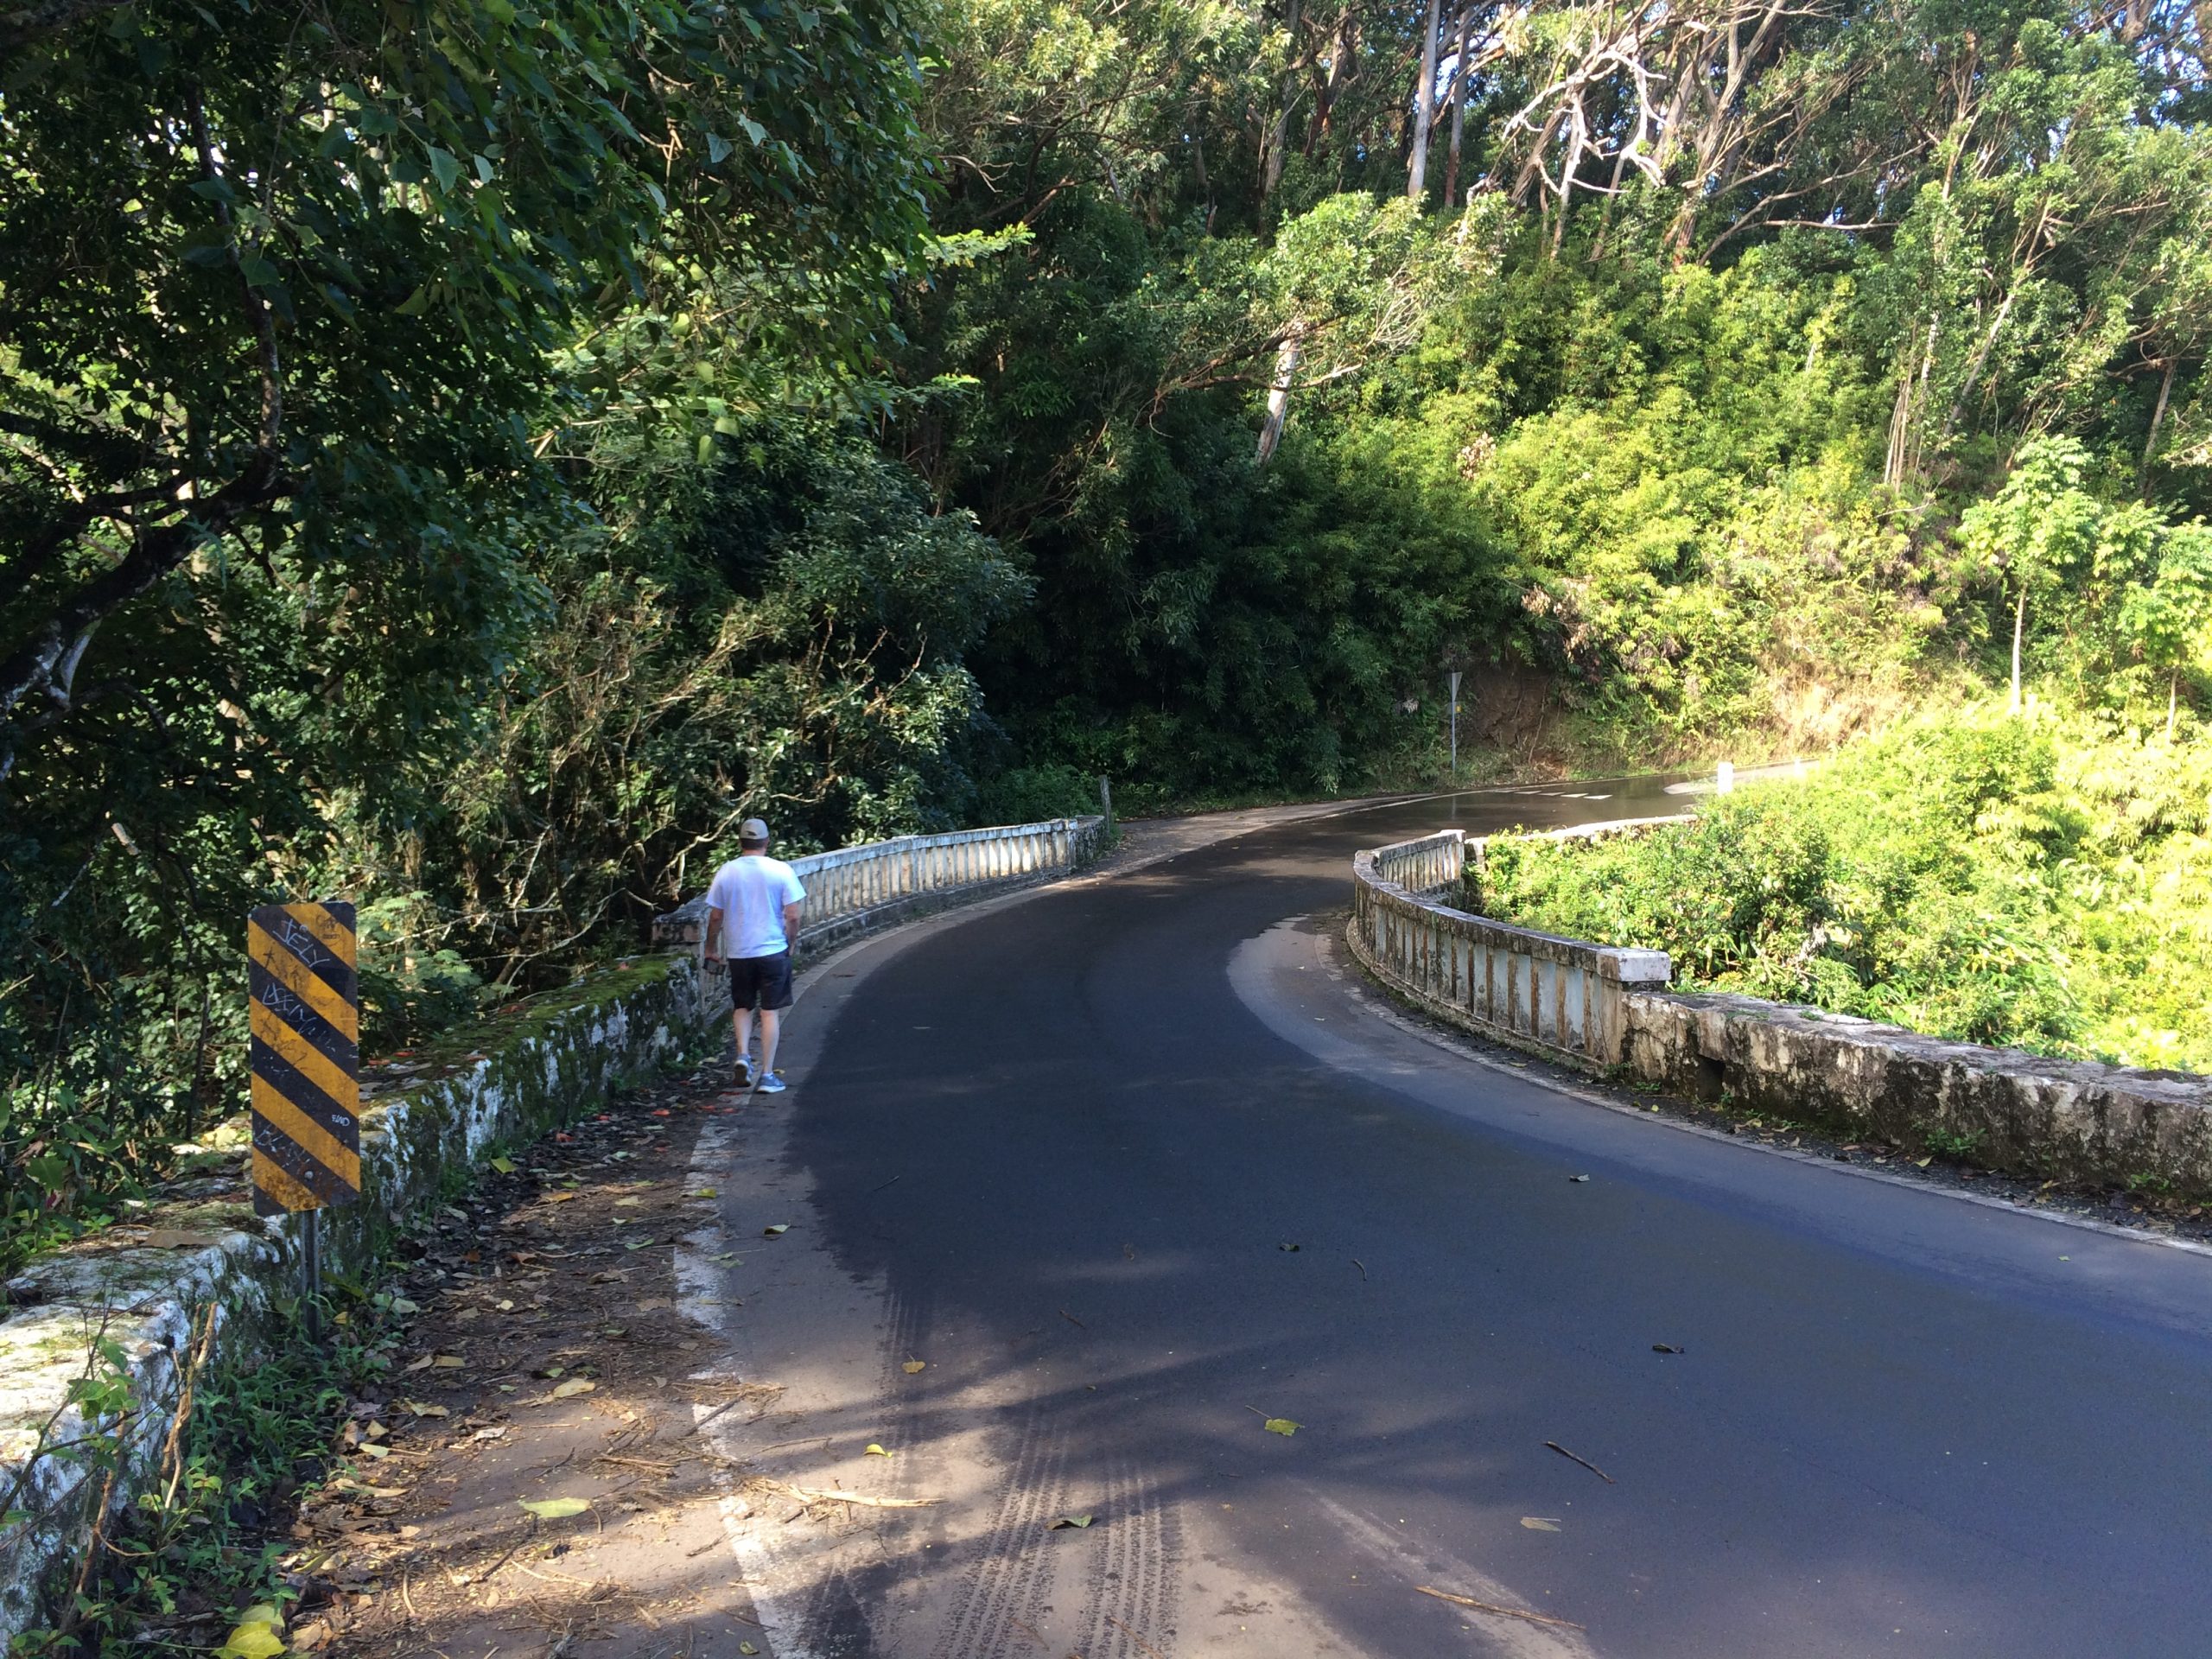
(771, 1027)
(744, 1019)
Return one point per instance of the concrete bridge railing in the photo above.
(1563, 997)
(1599, 1006)
(856, 890)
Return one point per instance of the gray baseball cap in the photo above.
(752, 830)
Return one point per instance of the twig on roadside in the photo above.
(808, 1495)
(1133, 1637)
(1072, 1320)
(195, 1358)
(1492, 1607)
(1361, 1266)
(529, 1533)
(893, 1181)
(1585, 1462)
(702, 1422)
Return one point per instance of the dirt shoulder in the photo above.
(544, 1364)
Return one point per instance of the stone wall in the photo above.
(2002, 1108)
(425, 1129)
(1606, 1009)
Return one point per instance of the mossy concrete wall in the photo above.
(2002, 1108)
(428, 1122)
(1606, 1009)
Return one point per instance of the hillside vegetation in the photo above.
(467, 457)
(2042, 882)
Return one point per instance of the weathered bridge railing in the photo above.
(1562, 996)
(856, 889)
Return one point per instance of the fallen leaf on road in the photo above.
(1539, 1523)
(505, 1166)
(1924, 1162)
(1287, 1246)
(422, 1365)
(1664, 1348)
(912, 1366)
(1282, 1426)
(447, 1361)
(747, 1646)
(574, 1385)
(1070, 1521)
(423, 1408)
(560, 1197)
(1578, 1177)
(555, 1508)
(781, 1227)
(628, 1201)
(703, 1192)
(876, 1451)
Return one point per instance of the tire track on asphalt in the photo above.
(1011, 1584)
(1135, 1575)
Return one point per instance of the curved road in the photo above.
(1053, 1153)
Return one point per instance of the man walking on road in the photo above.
(752, 917)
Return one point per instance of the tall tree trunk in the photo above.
(2159, 415)
(1286, 358)
(1424, 109)
(1206, 188)
(1905, 419)
(1340, 53)
(1278, 139)
(2020, 625)
(1459, 79)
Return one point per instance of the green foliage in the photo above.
(789, 645)
(283, 436)
(2042, 882)
(246, 1438)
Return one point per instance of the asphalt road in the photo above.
(1055, 1153)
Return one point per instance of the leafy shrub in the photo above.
(2043, 881)
(1032, 794)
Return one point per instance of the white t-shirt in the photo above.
(751, 894)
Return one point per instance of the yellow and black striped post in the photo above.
(305, 1021)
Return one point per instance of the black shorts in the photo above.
(765, 981)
